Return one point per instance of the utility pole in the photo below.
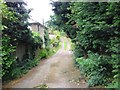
(43, 22)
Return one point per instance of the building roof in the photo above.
(37, 23)
(20, 1)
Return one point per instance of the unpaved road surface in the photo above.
(57, 71)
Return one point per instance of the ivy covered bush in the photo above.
(15, 31)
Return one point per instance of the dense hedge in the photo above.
(93, 27)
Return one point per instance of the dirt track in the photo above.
(57, 71)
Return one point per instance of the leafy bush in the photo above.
(96, 80)
(15, 31)
(18, 70)
(113, 85)
(36, 37)
(78, 52)
(43, 53)
(36, 40)
(97, 68)
(55, 41)
(7, 55)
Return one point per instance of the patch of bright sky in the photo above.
(41, 10)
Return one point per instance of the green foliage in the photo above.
(15, 31)
(65, 45)
(78, 52)
(97, 68)
(55, 41)
(63, 33)
(47, 51)
(113, 85)
(94, 27)
(20, 70)
(94, 33)
(43, 53)
(42, 86)
(37, 41)
(7, 54)
(46, 37)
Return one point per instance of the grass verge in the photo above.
(54, 50)
(65, 44)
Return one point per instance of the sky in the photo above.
(41, 10)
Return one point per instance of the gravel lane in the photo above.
(57, 71)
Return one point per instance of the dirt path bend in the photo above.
(57, 71)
